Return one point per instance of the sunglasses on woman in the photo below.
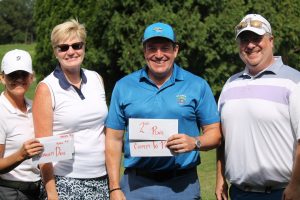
(17, 77)
(65, 47)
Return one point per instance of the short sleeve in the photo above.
(206, 111)
(116, 119)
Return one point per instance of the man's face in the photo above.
(160, 54)
(256, 51)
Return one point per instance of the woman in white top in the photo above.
(19, 178)
(71, 100)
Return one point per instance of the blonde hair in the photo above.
(66, 30)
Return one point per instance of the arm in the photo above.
(210, 139)
(29, 149)
(113, 156)
(292, 191)
(221, 184)
(43, 119)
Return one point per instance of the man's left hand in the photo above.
(181, 143)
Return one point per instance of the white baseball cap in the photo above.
(15, 60)
(254, 23)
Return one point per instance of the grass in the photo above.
(207, 174)
(206, 170)
(7, 47)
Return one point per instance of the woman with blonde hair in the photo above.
(71, 100)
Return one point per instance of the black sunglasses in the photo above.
(14, 76)
(65, 47)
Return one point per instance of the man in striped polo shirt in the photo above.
(260, 114)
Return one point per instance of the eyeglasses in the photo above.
(65, 47)
(252, 23)
(250, 38)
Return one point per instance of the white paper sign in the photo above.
(56, 148)
(149, 149)
(148, 137)
(152, 129)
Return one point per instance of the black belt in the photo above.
(19, 185)
(261, 189)
(160, 176)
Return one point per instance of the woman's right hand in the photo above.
(30, 149)
(117, 195)
(52, 195)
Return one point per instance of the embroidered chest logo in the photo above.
(181, 99)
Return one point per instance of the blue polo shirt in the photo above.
(184, 96)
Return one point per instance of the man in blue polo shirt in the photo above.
(160, 90)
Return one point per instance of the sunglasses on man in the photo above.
(65, 47)
(251, 23)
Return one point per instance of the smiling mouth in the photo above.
(159, 62)
(251, 53)
(72, 58)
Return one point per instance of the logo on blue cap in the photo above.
(159, 30)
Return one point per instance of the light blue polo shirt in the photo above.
(184, 96)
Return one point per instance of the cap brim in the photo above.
(13, 70)
(165, 37)
(258, 31)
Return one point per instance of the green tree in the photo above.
(16, 21)
(204, 28)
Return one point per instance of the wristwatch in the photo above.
(197, 144)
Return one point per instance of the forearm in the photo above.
(10, 162)
(113, 156)
(221, 189)
(220, 162)
(48, 178)
(295, 179)
(211, 137)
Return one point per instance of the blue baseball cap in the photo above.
(159, 30)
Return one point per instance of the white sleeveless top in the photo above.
(84, 118)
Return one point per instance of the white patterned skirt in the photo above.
(79, 189)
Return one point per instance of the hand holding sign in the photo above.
(181, 143)
(56, 148)
(31, 148)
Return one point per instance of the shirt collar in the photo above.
(176, 74)
(272, 69)
(63, 82)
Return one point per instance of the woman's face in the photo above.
(70, 53)
(17, 83)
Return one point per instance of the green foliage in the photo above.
(16, 21)
(205, 32)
